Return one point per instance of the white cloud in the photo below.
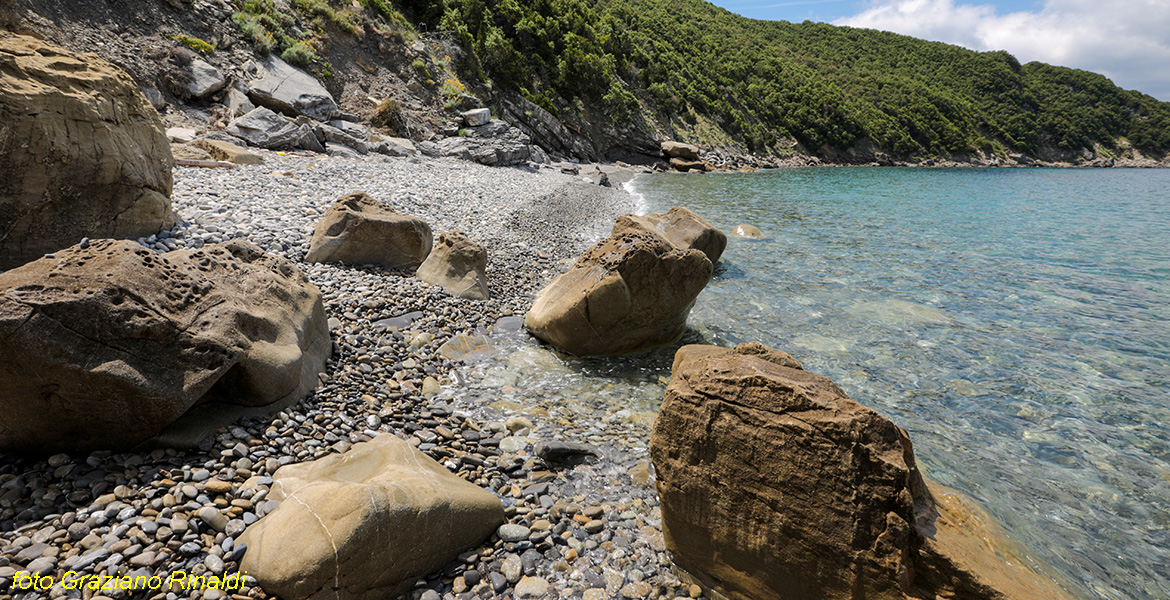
(1125, 40)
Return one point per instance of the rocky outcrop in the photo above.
(747, 231)
(360, 230)
(82, 152)
(458, 265)
(495, 143)
(682, 227)
(108, 345)
(365, 524)
(284, 88)
(631, 291)
(477, 117)
(673, 149)
(266, 129)
(776, 485)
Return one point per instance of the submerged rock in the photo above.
(775, 484)
(108, 345)
(365, 524)
(747, 231)
(360, 230)
(82, 152)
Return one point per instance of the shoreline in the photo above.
(139, 513)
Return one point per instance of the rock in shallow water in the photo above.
(775, 484)
(631, 291)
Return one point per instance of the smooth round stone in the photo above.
(532, 587)
(512, 568)
(214, 519)
(513, 444)
(510, 532)
(595, 526)
(213, 564)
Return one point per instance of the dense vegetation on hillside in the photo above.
(769, 83)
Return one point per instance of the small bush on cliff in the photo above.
(299, 54)
(193, 43)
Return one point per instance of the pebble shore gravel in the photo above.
(563, 443)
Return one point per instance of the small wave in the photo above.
(641, 205)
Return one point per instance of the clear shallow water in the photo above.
(1015, 322)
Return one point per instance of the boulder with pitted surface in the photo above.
(109, 344)
(458, 265)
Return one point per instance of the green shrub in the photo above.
(421, 68)
(262, 39)
(194, 43)
(300, 54)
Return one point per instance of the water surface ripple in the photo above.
(1015, 322)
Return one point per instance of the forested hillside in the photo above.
(694, 68)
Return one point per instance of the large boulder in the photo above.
(776, 485)
(287, 89)
(631, 291)
(365, 524)
(360, 230)
(108, 345)
(682, 227)
(673, 149)
(266, 129)
(205, 79)
(82, 152)
(458, 265)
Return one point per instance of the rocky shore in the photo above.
(589, 529)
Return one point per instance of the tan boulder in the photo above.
(365, 524)
(360, 230)
(458, 265)
(108, 345)
(673, 149)
(687, 166)
(82, 152)
(776, 485)
(631, 291)
(747, 231)
(227, 151)
(682, 227)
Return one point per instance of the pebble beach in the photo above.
(457, 378)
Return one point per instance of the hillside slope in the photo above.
(609, 79)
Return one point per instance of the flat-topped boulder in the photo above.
(672, 149)
(632, 291)
(458, 265)
(108, 345)
(82, 152)
(284, 88)
(365, 524)
(776, 485)
(682, 227)
(359, 230)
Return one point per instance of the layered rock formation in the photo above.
(361, 230)
(631, 291)
(108, 345)
(82, 152)
(365, 524)
(458, 265)
(287, 89)
(776, 485)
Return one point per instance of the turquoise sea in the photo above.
(1015, 321)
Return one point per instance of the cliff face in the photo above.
(610, 79)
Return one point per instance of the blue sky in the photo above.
(1126, 40)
